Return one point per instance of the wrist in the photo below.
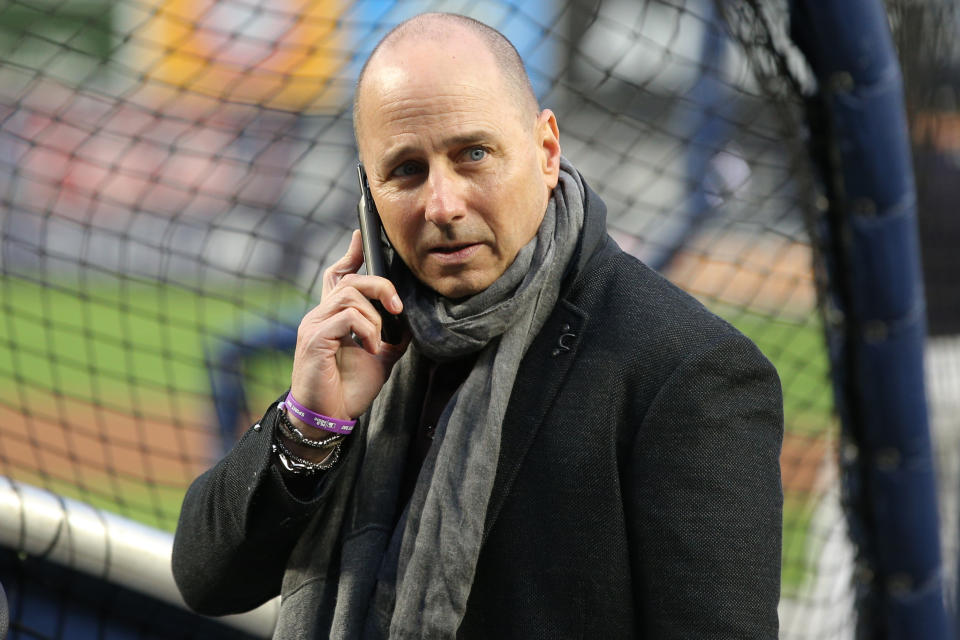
(300, 454)
(294, 420)
(313, 420)
(306, 442)
(319, 403)
(316, 456)
(313, 449)
(302, 467)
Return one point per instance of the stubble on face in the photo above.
(475, 194)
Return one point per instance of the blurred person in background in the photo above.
(562, 444)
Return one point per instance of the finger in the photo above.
(333, 332)
(335, 302)
(359, 330)
(375, 288)
(349, 263)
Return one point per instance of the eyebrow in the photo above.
(393, 156)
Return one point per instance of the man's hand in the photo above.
(332, 374)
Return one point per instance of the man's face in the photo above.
(460, 174)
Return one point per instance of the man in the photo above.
(564, 445)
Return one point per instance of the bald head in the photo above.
(440, 29)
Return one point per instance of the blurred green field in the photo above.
(796, 348)
(128, 348)
(117, 338)
(110, 338)
(130, 344)
(155, 505)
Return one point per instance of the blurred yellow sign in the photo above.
(282, 54)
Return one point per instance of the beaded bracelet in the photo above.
(297, 465)
(290, 431)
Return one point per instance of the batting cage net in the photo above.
(926, 37)
(175, 175)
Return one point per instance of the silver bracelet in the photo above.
(290, 431)
(300, 466)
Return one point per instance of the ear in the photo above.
(548, 145)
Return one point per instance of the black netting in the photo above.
(175, 174)
(926, 37)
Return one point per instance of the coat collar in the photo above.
(547, 362)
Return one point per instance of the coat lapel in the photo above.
(541, 375)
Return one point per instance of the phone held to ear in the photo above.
(370, 225)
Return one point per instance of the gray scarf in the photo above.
(414, 581)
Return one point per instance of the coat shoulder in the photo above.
(639, 310)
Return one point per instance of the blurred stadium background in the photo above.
(175, 174)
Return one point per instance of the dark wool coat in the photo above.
(637, 493)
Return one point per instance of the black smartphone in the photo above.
(370, 230)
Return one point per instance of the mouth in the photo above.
(454, 253)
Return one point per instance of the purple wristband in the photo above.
(317, 420)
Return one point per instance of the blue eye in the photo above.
(477, 153)
(406, 169)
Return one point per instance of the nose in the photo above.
(445, 201)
